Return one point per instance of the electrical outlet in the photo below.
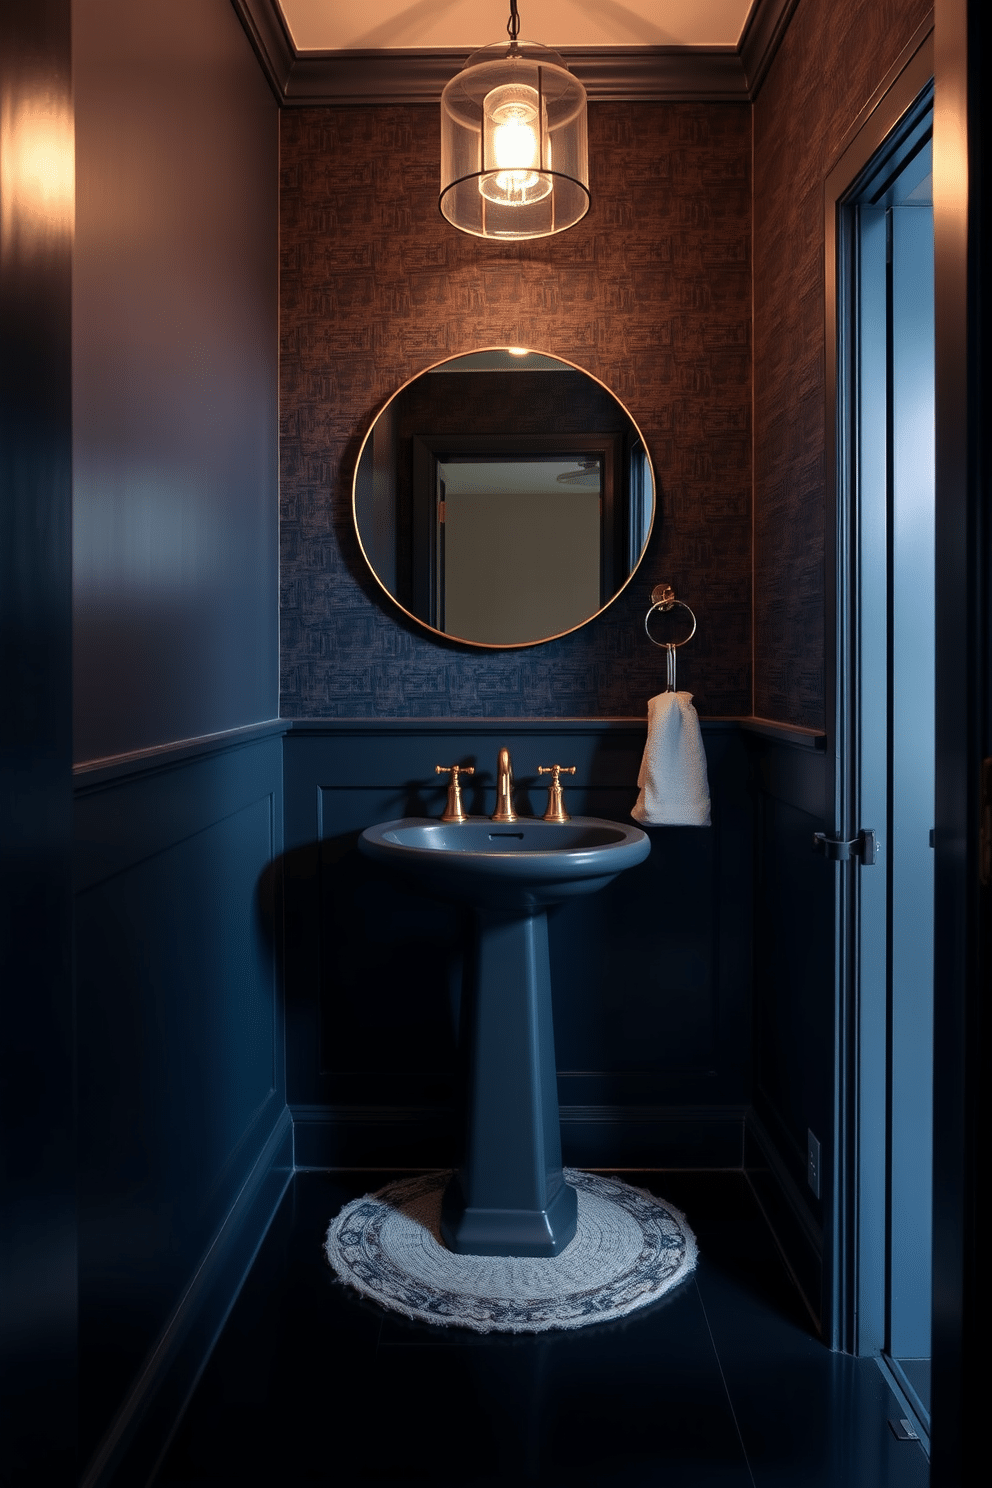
(813, 1162)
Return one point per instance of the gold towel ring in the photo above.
(663, 598)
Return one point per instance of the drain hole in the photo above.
(494, 836)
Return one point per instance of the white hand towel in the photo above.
(675, 790)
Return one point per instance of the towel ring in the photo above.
(663, 598)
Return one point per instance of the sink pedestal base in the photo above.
(509, 1197)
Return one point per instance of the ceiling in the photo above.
(329, 25)
(348, 52)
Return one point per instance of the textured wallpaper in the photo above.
(651, 293)
(831, 61)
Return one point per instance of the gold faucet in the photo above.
(504, 789)
(556, 801)
(454, 811)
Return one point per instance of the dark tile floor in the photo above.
(723, 1384)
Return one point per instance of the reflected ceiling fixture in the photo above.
(514, 145)
(587, 475)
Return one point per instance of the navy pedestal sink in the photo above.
(508, 1197)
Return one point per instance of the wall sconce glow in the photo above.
(514, 142)
(37, 167)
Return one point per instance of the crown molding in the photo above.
(262, 20)
(411, 75)
(761, 37)
(408, 76)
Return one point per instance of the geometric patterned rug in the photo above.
(630, 1248)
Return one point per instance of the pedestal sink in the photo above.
(508, 1197)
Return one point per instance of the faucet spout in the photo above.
(504, 789)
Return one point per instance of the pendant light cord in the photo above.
(513, 24)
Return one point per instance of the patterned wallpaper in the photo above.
(832, 59)
(651, 293)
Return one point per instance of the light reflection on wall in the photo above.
(37, 169)
(145, 531)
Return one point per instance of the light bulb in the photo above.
(515, 143)
(512, 132)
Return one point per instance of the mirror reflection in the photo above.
(503, 497)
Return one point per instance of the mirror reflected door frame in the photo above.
(430, 452)
(534, 401)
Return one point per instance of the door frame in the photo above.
(962, 1302)
(954, 48)
(432, 450)
(856, 1237)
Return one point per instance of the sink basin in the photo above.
(509, 1196)
(524, 865)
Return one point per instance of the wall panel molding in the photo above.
(651, 1010)
(793, 1028)
(125, 816)
(799, 1239)
(422, 1136)
(180, 1065)
(142, 1427)
(96, 772)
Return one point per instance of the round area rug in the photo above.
(629, 1249)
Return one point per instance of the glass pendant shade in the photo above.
(514, 144)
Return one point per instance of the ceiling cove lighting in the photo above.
(514, 144)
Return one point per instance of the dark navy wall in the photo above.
(37, 1180)
(174, 362)
(179, 1050)
(794, 1035)
(184, 1140)
(651, 976)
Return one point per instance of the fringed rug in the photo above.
(629, 1249)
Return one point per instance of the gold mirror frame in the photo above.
(637, 440)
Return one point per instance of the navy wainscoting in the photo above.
(794, 1000)
(185, 1143)
(651, 977)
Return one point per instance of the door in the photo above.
(894, 510)
(860, 1253)
(886, 687)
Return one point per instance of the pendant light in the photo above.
(514, 146)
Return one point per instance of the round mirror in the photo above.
(503, 497)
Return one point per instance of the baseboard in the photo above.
(346, 1136)
(140, 1433)
(652, 1136)
(591, 1136)
(909, 1400)
(796, 1233)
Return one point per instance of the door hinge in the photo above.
(441, 506)
(836, 850)
(985, 826)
